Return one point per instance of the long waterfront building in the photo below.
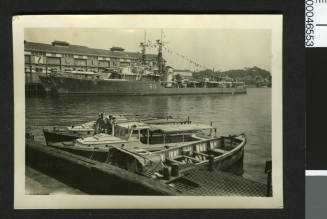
(62, 56)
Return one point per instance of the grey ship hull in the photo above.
(66, 85)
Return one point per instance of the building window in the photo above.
(80, 62)
(53, 60)
(27, 68)
(27, 59)
(38, 53)
(124, 64)
(103, 63)
(39, 70)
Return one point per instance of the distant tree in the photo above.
(251, 76)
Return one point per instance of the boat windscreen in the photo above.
(134, 125)
(179, 128)
(164, 121)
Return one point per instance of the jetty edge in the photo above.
(88, 175)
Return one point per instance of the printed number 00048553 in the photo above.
(309, 23)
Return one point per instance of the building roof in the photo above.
(82, 50)
(116, 48)
(60, 43)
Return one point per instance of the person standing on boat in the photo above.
(96, 124)
(108, 124)
(102, 124)
(99, 125)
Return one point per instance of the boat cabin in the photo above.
(163, 133)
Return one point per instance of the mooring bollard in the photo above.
(268, 170)
(166, 173)
(211, 162)
(174, 170)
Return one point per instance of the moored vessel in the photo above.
(135, 79)
(69, 133)
(194, 144)
(70, 84)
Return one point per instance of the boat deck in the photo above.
(138, 145)
(131, 146)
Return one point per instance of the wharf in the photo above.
(219, 183)
(38, 183)
(94, 177)
(89, 176)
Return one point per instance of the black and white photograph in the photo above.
(148, 111)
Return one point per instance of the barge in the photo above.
(94, 177)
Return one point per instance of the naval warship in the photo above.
(135, 80)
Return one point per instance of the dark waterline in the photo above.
(231, 114)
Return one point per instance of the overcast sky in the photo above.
(220, 49)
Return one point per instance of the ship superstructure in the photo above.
(142, 77)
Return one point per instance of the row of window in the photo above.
(38, 53)
(57, 69)
(69, 59)
(78, 62)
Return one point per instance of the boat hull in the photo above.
(68, 85)
(60, 136)
(80, 172)
(100, 154)
(229, 161)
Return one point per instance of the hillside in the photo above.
(251, 76)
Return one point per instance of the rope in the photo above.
(107, 159)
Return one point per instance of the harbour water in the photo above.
(230, 114)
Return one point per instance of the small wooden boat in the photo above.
(218, 153)
(175, 144)
(70, 133)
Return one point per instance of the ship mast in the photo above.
(160, 59)
(143, 45)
